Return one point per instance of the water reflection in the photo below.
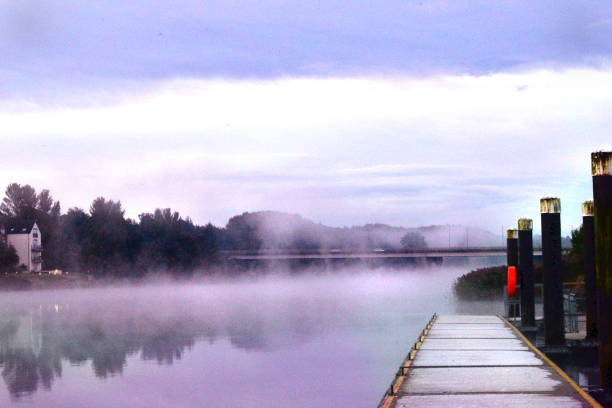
(33, 345)
(24, 366)
(34, 340)
(107, 328)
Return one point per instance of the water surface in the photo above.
(315, 340)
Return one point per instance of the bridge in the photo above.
(462, 361)
(357, 254)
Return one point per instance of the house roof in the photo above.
(19, 227)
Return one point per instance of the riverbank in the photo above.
(232, 269)
(489, 282)
(34, 281)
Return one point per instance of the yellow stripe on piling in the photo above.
(559, 371)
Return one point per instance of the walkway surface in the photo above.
(481, 361)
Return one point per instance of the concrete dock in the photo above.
(480, 361)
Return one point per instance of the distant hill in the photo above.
(277, 230)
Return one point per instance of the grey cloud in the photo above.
(52, 50)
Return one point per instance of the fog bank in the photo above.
(346, 327)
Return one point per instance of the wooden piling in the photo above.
(512, 261)
(525, 268)
(588, 233)
(512, 247)
(554, 324)
(601, 165)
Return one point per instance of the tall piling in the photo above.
(512, 247)
(512, 261)
(554, 325)
(588, 234)
(601, 166)
(525, 270)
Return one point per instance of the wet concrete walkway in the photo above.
(481, 361)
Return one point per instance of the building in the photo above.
(25, 237)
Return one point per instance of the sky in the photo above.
(402, 112)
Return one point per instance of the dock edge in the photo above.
(391, 393)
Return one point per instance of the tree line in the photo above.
(103, 241)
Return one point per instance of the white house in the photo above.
(25, 237)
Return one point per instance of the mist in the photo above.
(312, 333)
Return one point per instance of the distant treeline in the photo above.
(102, 241)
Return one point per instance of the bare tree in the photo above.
(413, 240)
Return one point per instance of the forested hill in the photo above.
(276, 230)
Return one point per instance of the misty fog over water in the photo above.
(313, 340)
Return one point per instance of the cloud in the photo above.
(402, 150)
(62, 52)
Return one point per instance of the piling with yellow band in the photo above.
(525, 270)
(601, 164)
(588, 234)
(512, 263)
(554, 322)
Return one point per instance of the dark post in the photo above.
(512, 248)
(525, 231)
(588, 233)
(554, 324)
(601, 166)
(512, 260)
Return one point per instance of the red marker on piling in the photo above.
(512, 281)
(512, 262)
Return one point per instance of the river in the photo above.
(313, 340)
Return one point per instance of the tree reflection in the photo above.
(166, 348)
(24, 363)
(33, 345)
(34, 341)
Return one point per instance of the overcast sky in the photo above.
(403, 112)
